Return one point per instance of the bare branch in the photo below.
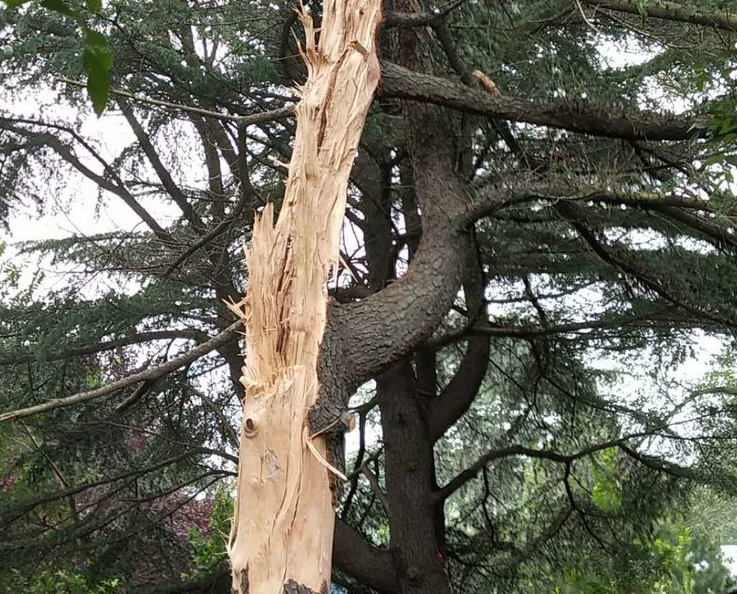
(357, 557)
(256, 118)
(55, 143)
(161, 171)
(586, 118)
(456, 397)
(375, 486)
(496, 197)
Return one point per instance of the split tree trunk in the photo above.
(282, 534)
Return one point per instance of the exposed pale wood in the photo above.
(284, 517)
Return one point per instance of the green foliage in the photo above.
(97, 59)
(209, 550)
(61, 581)
(670, 561)
(606, 492)
(600, 522)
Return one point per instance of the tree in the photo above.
(516, 207)
(284, 504)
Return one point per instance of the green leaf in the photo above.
(98, 82)
(96, 43)
(94, 5)
(713, 159)
(98, 60)
(606, 493)
(15, 3)
(59, 6)
(641, 9)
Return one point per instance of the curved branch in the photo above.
(456, 397)
(375, 332)
(70, 157)
(517, 450)
(357, 557)
(491, 199)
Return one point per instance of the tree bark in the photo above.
(416, 537)
(282, 534)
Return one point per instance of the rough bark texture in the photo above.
(415, 535)
(406, 82)
(673, 11)
(282, 533)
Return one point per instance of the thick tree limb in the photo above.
(403, 83)
(375, 332)
(400, 82)
(379, 330)
(221, 339)
(456, 397)
(357, 557)
(673, 11)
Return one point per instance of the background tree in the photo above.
(525, 207)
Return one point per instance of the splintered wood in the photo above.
(283, 526)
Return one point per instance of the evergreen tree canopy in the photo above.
(540, 232)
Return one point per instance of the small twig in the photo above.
(585, 18)
(137, 394)
(220, 228)
(375, 486)
(256, 118)
(227, 427)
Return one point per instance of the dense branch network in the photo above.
(480, 214)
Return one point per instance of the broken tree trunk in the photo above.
(282, 534)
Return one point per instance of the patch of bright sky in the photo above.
(623, 53)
